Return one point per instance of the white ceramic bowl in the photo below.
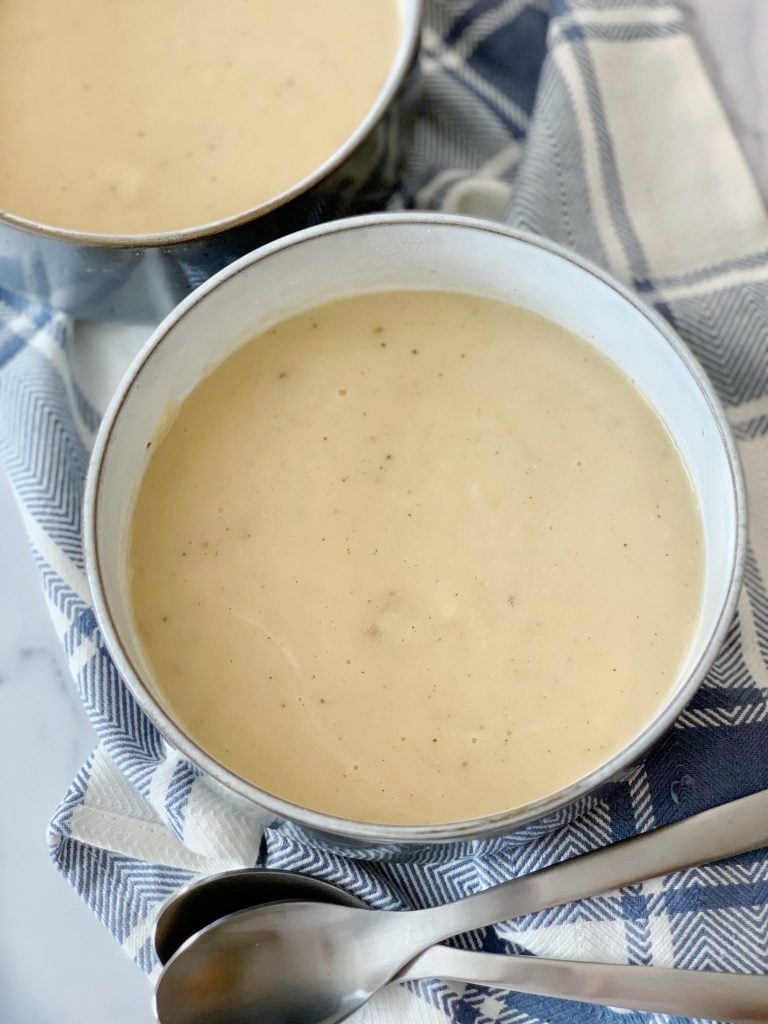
(412, 251)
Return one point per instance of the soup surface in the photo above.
(415, 557)
(139, 117)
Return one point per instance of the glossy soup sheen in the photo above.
(142, 117)
(414, 558)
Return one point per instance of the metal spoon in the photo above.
(318, 962)
(208, 900)
(632, 988)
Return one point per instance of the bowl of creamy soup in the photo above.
(414, 529)
(144, 146)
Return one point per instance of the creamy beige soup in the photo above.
(139, 116)
(415, 557)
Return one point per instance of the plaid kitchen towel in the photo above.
(593, 123)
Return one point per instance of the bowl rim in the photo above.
(487, 826)
(407, 50)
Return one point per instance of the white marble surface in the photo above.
(57, 964)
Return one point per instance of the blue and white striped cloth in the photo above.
(591, 122)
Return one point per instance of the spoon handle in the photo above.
(735, 827)
(653, 989)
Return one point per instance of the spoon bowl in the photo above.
(281, 961)
(210, 899)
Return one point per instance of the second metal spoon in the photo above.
(318, 962)
(651, 989)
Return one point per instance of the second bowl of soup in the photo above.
(144, 146)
